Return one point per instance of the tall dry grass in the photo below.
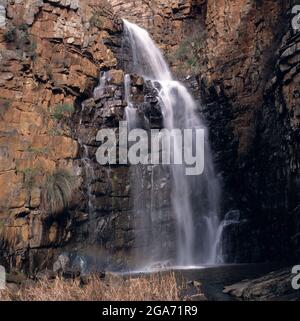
(156, 287)
(58, 191)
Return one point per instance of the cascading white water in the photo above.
(99, 90)
(130, 110)
(86, 160)
(195, 200)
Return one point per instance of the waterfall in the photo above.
(130, 110)
(194, 199)
(88, 169)
(99, 90)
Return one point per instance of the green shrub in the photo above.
(58, 192)
(63, 110)
(39, 150)
(55, 132)
(192, 62)
(189, 54)
(183, 50)
(22, 39)
(96, 20)
(103, 10)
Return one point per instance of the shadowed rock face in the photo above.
(247, 76)
(250, 92)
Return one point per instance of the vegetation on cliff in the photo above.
(58, 191)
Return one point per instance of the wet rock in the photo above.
(198, 297)
(81, 217)
(70, 274)
(274, 286)
(116, 77)
(46, 275)
(290, 51)
(62, 263)
(194, 283)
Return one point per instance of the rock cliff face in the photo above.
(249, 87)
(51, 55)
(242, 62)
(168, 21)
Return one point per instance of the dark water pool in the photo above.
(214, 278)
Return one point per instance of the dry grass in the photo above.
(58, 192)
(156, 287)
